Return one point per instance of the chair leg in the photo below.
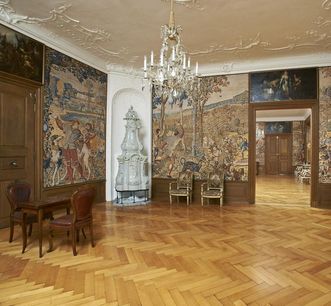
(74, 251)
(11, 234)
(50, 240)
(91, 234)
(83, 232)
(201, 201)
(221, 201)
(30, 230)
(188, 200)
(170, 200)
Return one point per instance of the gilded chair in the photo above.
(213, 188)
(182, 187)
(16, 193)
(81, 203)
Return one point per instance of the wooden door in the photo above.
(278, 154)
(17, 139)
(285, 154)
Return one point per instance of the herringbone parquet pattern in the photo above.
(162, 255)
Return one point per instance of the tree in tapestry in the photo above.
(203, 130)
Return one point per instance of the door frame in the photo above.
(313, 105)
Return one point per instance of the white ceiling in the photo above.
(224, 36)
(282, 115)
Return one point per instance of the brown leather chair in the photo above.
(19, 192)
(81, 203)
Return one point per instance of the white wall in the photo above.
(124, 91)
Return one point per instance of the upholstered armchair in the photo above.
(213, 188)
(182, 187)
(81, 203)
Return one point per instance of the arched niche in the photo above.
(121, 102)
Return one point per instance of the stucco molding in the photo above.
(92, 40)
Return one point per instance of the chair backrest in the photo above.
(81, 202)
(215, 180)
(17, 192)
(185, 179)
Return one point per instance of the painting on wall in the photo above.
(296, 84)
(203, 131)
(74, 121)
(21, 55)
(325, 125)
(278, 127)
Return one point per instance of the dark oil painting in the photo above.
(283, 85)
(278, 127)
(20, 55)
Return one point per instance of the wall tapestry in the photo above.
(260, 143)
(283, 85)
(298, 145)
(325, 125)
(204, 130)
(74, 121)
(21, 55)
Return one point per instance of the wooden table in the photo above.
(40, 208)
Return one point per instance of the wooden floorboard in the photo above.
(281, 190)
(177, 255)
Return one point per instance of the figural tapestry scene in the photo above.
(74, 121)
(204, 130)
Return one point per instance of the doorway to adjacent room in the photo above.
(284, 160)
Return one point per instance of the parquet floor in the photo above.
(161, 255)
(281, 190)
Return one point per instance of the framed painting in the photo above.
(278, 127)
(283, 85)
(21, 55)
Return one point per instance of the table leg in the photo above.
(40, 225)
(24, 232)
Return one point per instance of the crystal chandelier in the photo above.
(173, 73)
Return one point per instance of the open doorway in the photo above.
(283, 156)
(311, 152)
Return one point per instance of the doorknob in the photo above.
(13, 164)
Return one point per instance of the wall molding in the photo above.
(304, 61)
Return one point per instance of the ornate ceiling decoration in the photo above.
(221, 34)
